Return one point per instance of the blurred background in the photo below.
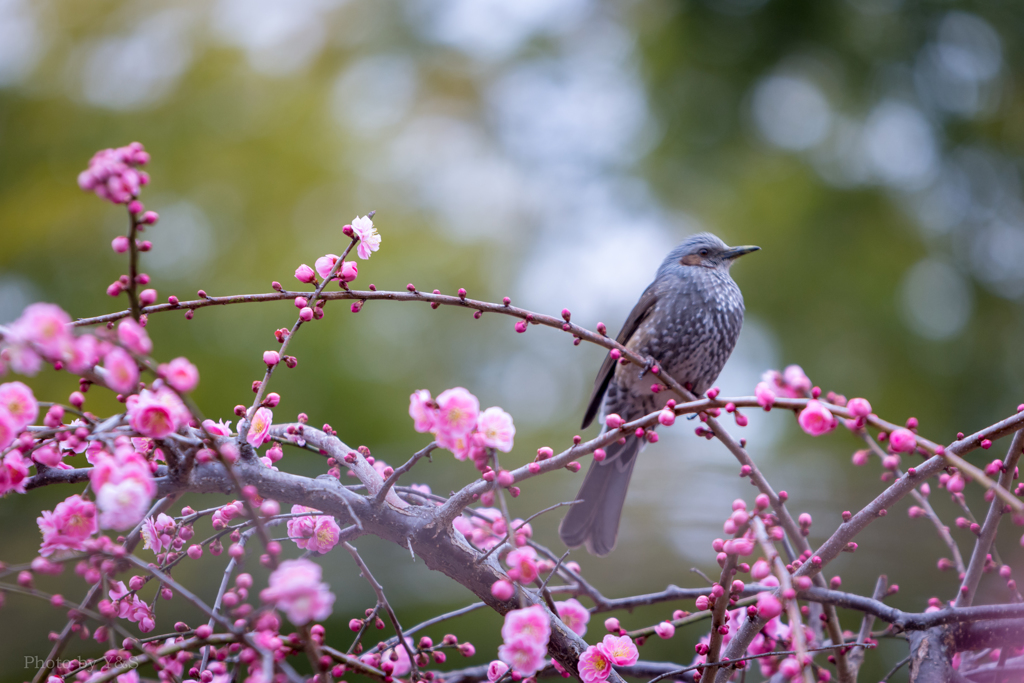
(552, 151)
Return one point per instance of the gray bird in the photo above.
(688, 320)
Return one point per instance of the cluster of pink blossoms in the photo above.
(487, 527)
(597, 661)
(525, 637)
(114, 174)
(41, 333)
(130, 607)
(296, 589)
(68, 527)
(456, 421)
(314, 532)
(124, 486)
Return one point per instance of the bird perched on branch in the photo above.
(687, 320)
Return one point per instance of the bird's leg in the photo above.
(647, 368)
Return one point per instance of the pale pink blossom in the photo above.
(134, 337)
(316, 532)
(398, 656)
(180, 374)
(523, 564)
(45, 328)
(525, 655)
(495, 670)
(124, 488)
(422, 410)
(114, 174)
(369, 240)
(530, 623)
(761, 570)
(458, 411)
(815, 419)
(13, 472)
(296, 589)
(259, 430)
(67, 528)
(496, 429)
(122, 373)
(221, 428)
(459, 444)
(131, 607)
(8, 428)
(594, 665)
(902, 440)
(156, 413)
(859, 407)
(49, 456)
(620, 650)
(796, 380)
(764, 394)
(158, 533)
(85, 353)
(573, 615)
(19, 401)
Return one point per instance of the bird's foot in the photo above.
(647, 368)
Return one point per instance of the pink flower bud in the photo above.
(762, 501)
(614, 421)
(195, 551)
(612, 625)
(665, 630)
(667, 418)
(802, 582)
(305, 274)
(768, 606)
(702, 602)
(859, 407)
(521, 326)
(505, 479)
(761, 570)
(599, 454)
(271, 358)
(147, 297)
(861, 457)
(815, 419)
(502, 589)
(902, 440)
(306, 314)
(955, 483)
(120, 244)
(349, 271)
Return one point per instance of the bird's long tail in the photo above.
(594, 517)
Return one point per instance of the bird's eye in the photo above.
(704, 252)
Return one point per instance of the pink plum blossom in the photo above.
(8, 428)
(221, 428)
(620, 650)
(45, 328)
(86, 353)
(369, 240)
(157, 533)
(124, 488)
(156, 413)
(316, 532)
(13, 472)
(523, 562)
(422, 410)
(525, 655)
(259, 430)
(495, 670)
(902, 440)
(20, 403)
(739, 546)
(180, 374)
(457, 412)
(496, 429)
(131, 607)
(296, 589)
(665, 630)
(68, 526)
(349, 271)
(113, 173)
(796, 380)
(815, 419)
(594, 665)
(134, 337)
(574, 615)
(530, 623)
(323, 265)
(122, 373)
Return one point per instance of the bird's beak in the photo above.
(736, 252)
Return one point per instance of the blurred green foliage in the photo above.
(552, 152)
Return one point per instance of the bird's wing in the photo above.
(636, 317)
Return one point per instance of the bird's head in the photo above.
(703, 250)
